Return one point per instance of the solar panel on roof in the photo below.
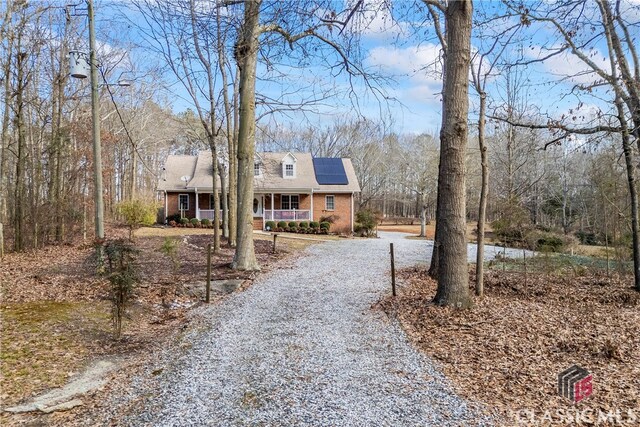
(330, 171)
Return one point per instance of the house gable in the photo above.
(258, 166)
(289, 166)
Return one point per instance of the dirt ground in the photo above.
(507, 351)
(56, 313)
(430, 230)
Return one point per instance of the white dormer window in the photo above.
(289, 166)
(256, 169)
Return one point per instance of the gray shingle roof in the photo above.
(200, 170)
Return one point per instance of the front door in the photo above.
(257, 206)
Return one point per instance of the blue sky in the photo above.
(408, 52)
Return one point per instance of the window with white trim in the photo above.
(183, 202)
(288, 170)
(329, 203)
(289, 201)
(256, 169)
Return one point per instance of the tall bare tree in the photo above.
(246, 55)
(482, 70)
(451, 225)
(295, 25)
(574, 26)
(179, 32)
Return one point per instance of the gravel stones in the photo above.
(302, 346)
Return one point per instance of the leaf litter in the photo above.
(507, 351)
(55, 312)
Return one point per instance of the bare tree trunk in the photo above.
(6, 113)
(133, 171)
(510, 143)
(484, 189)
(230, 201)
(18, 214)
(224, 200)
(625, 134)
(236, 138)
(633, 193)
(210, 127)
(58, 142)
(216, 193)
(434, 267)
(423, 215)
(97, 146)
(246, 53)
(435, 256)
(565, 192)
(453, 276)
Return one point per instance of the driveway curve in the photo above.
(302, 347)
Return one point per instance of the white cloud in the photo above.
(422, 64)
(581, 114)
(418, 71)
(568, 65)
(375, 21)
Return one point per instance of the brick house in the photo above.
(287, 187)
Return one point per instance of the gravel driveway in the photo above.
(303, 347)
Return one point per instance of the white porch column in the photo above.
(197, 205)
(311, 212)
(273, 202)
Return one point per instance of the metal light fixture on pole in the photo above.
(79, 64)
(97, 148)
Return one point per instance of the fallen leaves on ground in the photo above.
(508, 350)
(56, 309)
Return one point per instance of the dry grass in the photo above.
(410, 229)
(294, 241)
(508, 350)
(431, 228)
(43, 343)
(171, 231)
(595, 251)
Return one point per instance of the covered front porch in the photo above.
(204, 206)
(282, 207)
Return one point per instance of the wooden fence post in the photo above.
(393, 271)
(208, 273)
(274, 243)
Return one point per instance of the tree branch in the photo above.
(556, 125)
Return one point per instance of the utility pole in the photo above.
(97, 149)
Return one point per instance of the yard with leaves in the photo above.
(56, 312)
(507, 351)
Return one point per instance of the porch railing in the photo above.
(208, 214)
(287, 215)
